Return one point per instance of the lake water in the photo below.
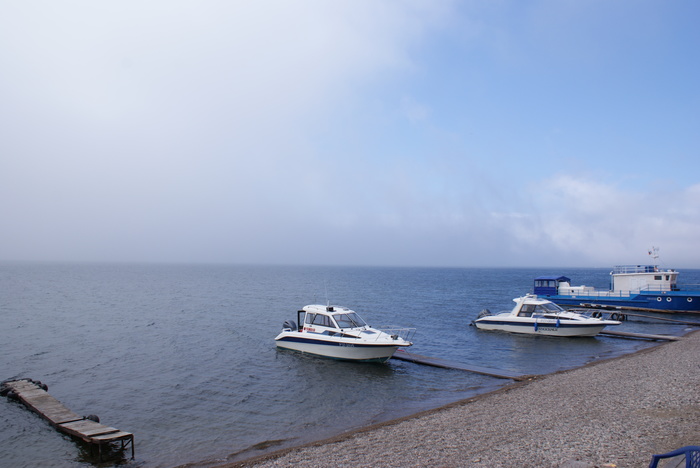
(183, 356)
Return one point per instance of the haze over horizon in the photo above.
(375, 133)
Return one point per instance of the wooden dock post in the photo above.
(36, 397)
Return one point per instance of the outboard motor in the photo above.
(290, 324)
(484, 313)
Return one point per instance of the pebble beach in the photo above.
(612, 413)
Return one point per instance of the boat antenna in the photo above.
(654, 252)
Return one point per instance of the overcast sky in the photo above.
(417, 133)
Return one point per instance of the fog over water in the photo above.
(375, 133)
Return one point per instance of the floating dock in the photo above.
(402, 355)
(36, 397)
(642, 336)
(623, 309)
(617, 313)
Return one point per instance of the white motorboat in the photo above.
(537, 316)
(340, 333)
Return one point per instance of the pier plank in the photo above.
(48, 407)
(87, 427)
(120, 435)
(41, 402)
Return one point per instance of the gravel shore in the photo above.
(614, 413)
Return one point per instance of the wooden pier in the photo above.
(35, 397)
(402, 355)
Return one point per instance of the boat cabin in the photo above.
(328, 319)
(549, 285)
(530, 306)
(643, 278)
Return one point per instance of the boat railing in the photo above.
(404, 333)
(627, 269)
(590, 292)
(656, 288)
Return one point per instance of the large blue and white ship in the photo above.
(635, 287)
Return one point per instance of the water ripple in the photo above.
(184, 357)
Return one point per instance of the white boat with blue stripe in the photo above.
(340, 333)
(536, 316)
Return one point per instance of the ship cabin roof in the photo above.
(547, 285)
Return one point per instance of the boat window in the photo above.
(349, 320)
(657, 277)
(526, 310)
(322, 320)
(309, 318)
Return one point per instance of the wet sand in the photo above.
(613, 413)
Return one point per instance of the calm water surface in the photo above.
(184, 357)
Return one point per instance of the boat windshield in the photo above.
(319, 319)
(351, 320)
(548, 308)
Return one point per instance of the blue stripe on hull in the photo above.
(379, 360)
(295, 339)
(546, 329)
(571, 326)
(330, 350)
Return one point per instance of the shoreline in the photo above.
(616, 412)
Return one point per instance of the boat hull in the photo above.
(359, 352)
(547, 328)
(672, 301)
